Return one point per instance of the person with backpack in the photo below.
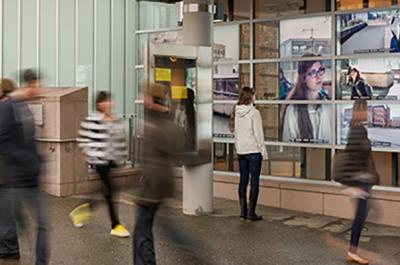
(359, 88)
(355, 168)
(102, 139)
(250, 147)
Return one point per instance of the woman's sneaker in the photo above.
(120, 231)
(80, 215)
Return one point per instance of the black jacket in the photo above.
(360, 90)
(355, 166)
(17, 145)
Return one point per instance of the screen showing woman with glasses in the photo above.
(308, 123)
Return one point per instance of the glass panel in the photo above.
(28, 49)
(232, 42)
(154, 15)
(118, 63)
(358, 4)
(229, 10)
(228, 79)
(103, 78)
(270, 120)
(277, 81)
(266, 40)
(377, 78)
(273, 8)
(368, 32)
(299, 37)
(10, 47)
(84, 68)
(221, 114)
(67, 43)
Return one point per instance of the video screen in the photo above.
(306, 123)
(383, 124)
(221, 116)
(377, 78)
(368, 32)
(299, 37)
(228, 79)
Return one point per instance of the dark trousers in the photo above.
(143, 239)
(8, 227)
(249, 165)
(104, 173)
(32, 199)
(358, 223)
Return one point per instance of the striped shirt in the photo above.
(101, 141)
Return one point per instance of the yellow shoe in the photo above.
(120, 231)
(80, 215)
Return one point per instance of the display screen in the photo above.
(368, 32)
(383, 124)
(307, 35)
(221, 116)
(377, 78)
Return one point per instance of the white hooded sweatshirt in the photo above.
(249, 133)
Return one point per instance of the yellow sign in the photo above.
(163, 74)
(179, 92)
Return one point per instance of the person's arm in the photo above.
(259, 134)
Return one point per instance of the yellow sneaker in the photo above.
(120, 231)
(80, 215)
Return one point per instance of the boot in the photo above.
(243, 208)
(252, 216)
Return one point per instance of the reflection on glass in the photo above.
(274, 8)
(266, 40)
(155, 15)
(368, 32)
(230, 10)
(358, 4)
(266, 78)
(306, 35)
(383, 124)
(377, 78)
(228, 79)
(270, 121)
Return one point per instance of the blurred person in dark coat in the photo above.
(355, 168)
(163, 149)
(9, 248)
(18, 149)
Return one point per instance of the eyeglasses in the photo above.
(316, 73)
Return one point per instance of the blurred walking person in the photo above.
(22, 160)
(250, 147)
(102, 139)
(355, 168)
(9, 248)
(162, 150)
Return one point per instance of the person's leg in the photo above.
(358, 224)
(104, 173)
(143, 241)
(255, 171)
(35, 202)
(9, 247)
(244, 181)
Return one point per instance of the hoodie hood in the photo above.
(243, 110)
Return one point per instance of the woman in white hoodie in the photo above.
(249, 142)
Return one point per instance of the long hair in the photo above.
(246, 96)
(301, 93)
(358, 106)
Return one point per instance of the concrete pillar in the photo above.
(198, 180)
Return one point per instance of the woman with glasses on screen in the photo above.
(308, 122)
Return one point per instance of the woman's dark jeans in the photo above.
(358, 223)
(249, 164)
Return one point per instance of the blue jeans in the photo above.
(249, 164)
(32, 199)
